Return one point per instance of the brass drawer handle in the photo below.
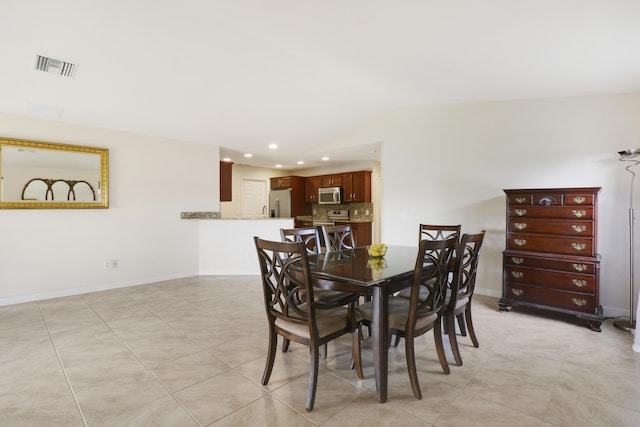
(517, 260)
(517, 274)
(579, 199)
(579, 302)
(578, 213)
(517, 292)
(520, 242)
(579, 228)
(520, 212)
(579, 283)
(520, 199)
(520, 225)
(580, 267)
(579, 246)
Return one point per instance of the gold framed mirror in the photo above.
(45, 175)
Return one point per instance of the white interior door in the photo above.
(254, 198)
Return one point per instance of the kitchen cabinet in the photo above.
(281, 182)
(551, 259)
(362, 231)
(356, 187)
(312, 183)
(225, 181)
(334, 180)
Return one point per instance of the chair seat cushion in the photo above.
(328, 321)
(459, 303)
(398, 314)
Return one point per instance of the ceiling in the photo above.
(241, 74)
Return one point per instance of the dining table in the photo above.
(355, 271)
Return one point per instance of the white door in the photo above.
(254, 198)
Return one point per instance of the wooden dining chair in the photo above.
(433, 232)
(338, 237)
(410, 318)
(292, 310)
(458, 306)
(325, 298)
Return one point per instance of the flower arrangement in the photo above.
(377, 250)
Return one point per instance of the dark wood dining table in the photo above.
(355, 271)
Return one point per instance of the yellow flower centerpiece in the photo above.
(377, 250)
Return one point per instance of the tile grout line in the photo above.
(64, 370)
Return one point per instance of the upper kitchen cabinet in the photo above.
(312, 183)
(356, 187)
(331, 180)
(225, 181)
(280, 183)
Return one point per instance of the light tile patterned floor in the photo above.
(191, 352)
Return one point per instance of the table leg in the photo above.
(380, 331)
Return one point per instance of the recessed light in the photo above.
(248, 155)
(325, 158)
(226, 159)
(273, 146)
(300, 162)
(278, 166)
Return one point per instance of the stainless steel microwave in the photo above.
(330, 196)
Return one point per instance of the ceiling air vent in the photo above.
(55, 66)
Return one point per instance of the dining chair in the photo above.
(458, 304)
(325, 298)
(338, 237)
(292, 310)
(433, 232)
(411, 318)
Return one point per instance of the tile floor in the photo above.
(191, 352)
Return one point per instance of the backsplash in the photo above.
(357, 211)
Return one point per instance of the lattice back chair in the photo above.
(410, 318)
(292, 310)
(433, 232)
(338, 237)
(310, 236)
(461, 292)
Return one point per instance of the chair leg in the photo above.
(285, 345)
(271, 355)
(437, 336)
(461, 324)
(411, 366)
(356, 351)
(453, 340)
(472, 332)
(396, 342)
(313, 375)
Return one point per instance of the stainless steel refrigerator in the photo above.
(280, 203)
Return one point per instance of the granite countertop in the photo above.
(216, 215)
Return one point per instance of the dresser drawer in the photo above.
(551, 279)
(579, 199)
(575, 266)
(550, 244)
(551, 212)
(573, 301)
(544, 226)
(519, 199)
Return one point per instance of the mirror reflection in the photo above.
(46, 175)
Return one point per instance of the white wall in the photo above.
(48, 252)
(450, 163)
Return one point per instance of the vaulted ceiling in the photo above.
(242, 74)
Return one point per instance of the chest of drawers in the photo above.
(551, 258)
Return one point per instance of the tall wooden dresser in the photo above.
(551, 259)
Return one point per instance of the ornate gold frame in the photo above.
(104, 176)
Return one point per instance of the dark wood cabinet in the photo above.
(312, 183)
(281, 182)
(334, 180)
(356, 187)
(551, 258)
(225, 181)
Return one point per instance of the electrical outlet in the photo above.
(107, 264)
(366, 212)
(355, 212)
(114, 263)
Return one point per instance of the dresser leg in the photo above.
(504, 305)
